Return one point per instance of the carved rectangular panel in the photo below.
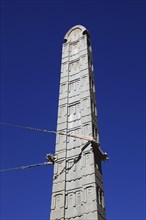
(83, 62)
(74, 67)
(74, 86)
(65, 50)
(79, 199)
(74, 114)
(64, 69)
(74, 48)
(83, 42)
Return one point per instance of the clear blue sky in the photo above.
(31, 38)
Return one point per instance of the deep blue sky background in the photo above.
(31, 38)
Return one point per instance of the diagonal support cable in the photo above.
(90, 138)
(28, 166)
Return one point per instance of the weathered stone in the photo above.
(77, 185)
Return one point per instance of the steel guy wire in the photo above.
(49, 131)
(27, 166)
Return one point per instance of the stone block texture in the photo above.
(77, 192)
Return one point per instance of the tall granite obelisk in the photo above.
(77, 184)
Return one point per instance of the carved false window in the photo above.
(86, 129)
(89, 194)
(58, 201)
(87, 158)
(64, 67)
(62, 111)
(70, 165)
(74, 48)
(93, 107)
(74, 86)
(71, 200)
(85, 103)
(63, 88)
(78, 198)
(74, 67)
(84, 59)
(74, 109)
(100, 197)
(94, 131)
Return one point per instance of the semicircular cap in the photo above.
(75, 33)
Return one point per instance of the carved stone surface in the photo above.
(77, 183)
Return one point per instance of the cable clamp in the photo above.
(50, 158)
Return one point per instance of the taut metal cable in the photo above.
(89, 138)
(25, 167)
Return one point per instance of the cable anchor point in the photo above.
(50, 158)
